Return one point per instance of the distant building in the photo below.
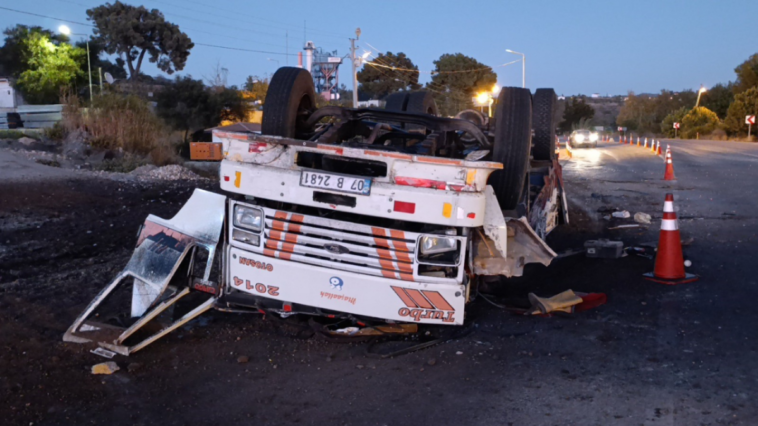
(595, 95)
(9, 98)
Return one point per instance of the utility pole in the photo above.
(355, 62)
(100, 71)
(89, 68)
(287, 48)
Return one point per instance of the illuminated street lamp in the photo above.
(523, 66)
(63, 29)
(700, 92)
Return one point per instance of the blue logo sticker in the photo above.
(335, 283)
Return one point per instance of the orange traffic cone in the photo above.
(638, 141)
(659, 148)
(669, 261)
(652, 146)
(645, 144)
(669, 175)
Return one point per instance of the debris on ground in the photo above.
(604, 249)
(565, 302)
(170, 172)
(633, 225)
(643, 218)
(105, 353)
(109, 367)
(621, 215)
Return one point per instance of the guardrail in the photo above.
(35, 116)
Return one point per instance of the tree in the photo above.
(388, 73)
(255, 89)
(645, 113)
(718, 98)
(699, 121)
(747, 74)
(14, 55)
(189, 106)
(745, 103)
(577, 113)
(132, 32)
(667, 125)
(96, 51)
(48, 68)
(456, 80)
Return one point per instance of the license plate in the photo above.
(333, 182)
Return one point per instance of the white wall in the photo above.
(7, 95)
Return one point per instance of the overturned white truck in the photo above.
(367, 215)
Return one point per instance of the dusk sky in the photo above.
(577, 47)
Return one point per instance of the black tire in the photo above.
(543, 117)
(290, 99)
(513, 134)
(421, 103)
(396, 101)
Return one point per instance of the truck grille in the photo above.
(340, 245)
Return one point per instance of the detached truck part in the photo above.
(369, 215)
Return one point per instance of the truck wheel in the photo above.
(513, 134)
(290, 99)
(543, 116)
(396, 102)
(421, 103)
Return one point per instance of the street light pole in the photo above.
(65, 30)
(699, 92)
(354, 60)
(523, 66)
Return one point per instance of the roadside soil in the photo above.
(653, 355)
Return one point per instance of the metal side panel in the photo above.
(162, 245)
(345, 291)
(524, 246)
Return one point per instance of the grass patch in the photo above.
(12, 134)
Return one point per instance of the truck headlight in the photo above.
(248, 218)
(433, 245)
(579, 138)
(438, 250)
(593, 137)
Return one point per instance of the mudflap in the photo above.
(506, 245)
(161, 273)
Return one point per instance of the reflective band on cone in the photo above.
(669, 261)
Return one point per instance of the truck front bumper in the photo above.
(333, 290)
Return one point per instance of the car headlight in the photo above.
(593, 137)
(579, 138)
(248, 218)
(434, 245)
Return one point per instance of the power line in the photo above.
(44, 16)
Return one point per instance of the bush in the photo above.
(667, 125)
(122, 123)
(57, 133)
(699, 121)
(745, 103)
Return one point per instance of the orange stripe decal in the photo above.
(384, 254)
(439, 302)
(388, 274)
(275, 235)
(404, 297)
(290, 238)
(406, 277)
(278, 224)
(297, 218)
(280, 215)
(403, 257)
(400, 245)
(404, 267)
(386, 264)
(284, 255)
(419, 299)
(288, 247)
(274, 245)
(268, 252)
(294, 227)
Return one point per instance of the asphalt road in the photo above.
(653, 355)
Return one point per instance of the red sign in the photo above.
(750, 119)
(676, 125)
